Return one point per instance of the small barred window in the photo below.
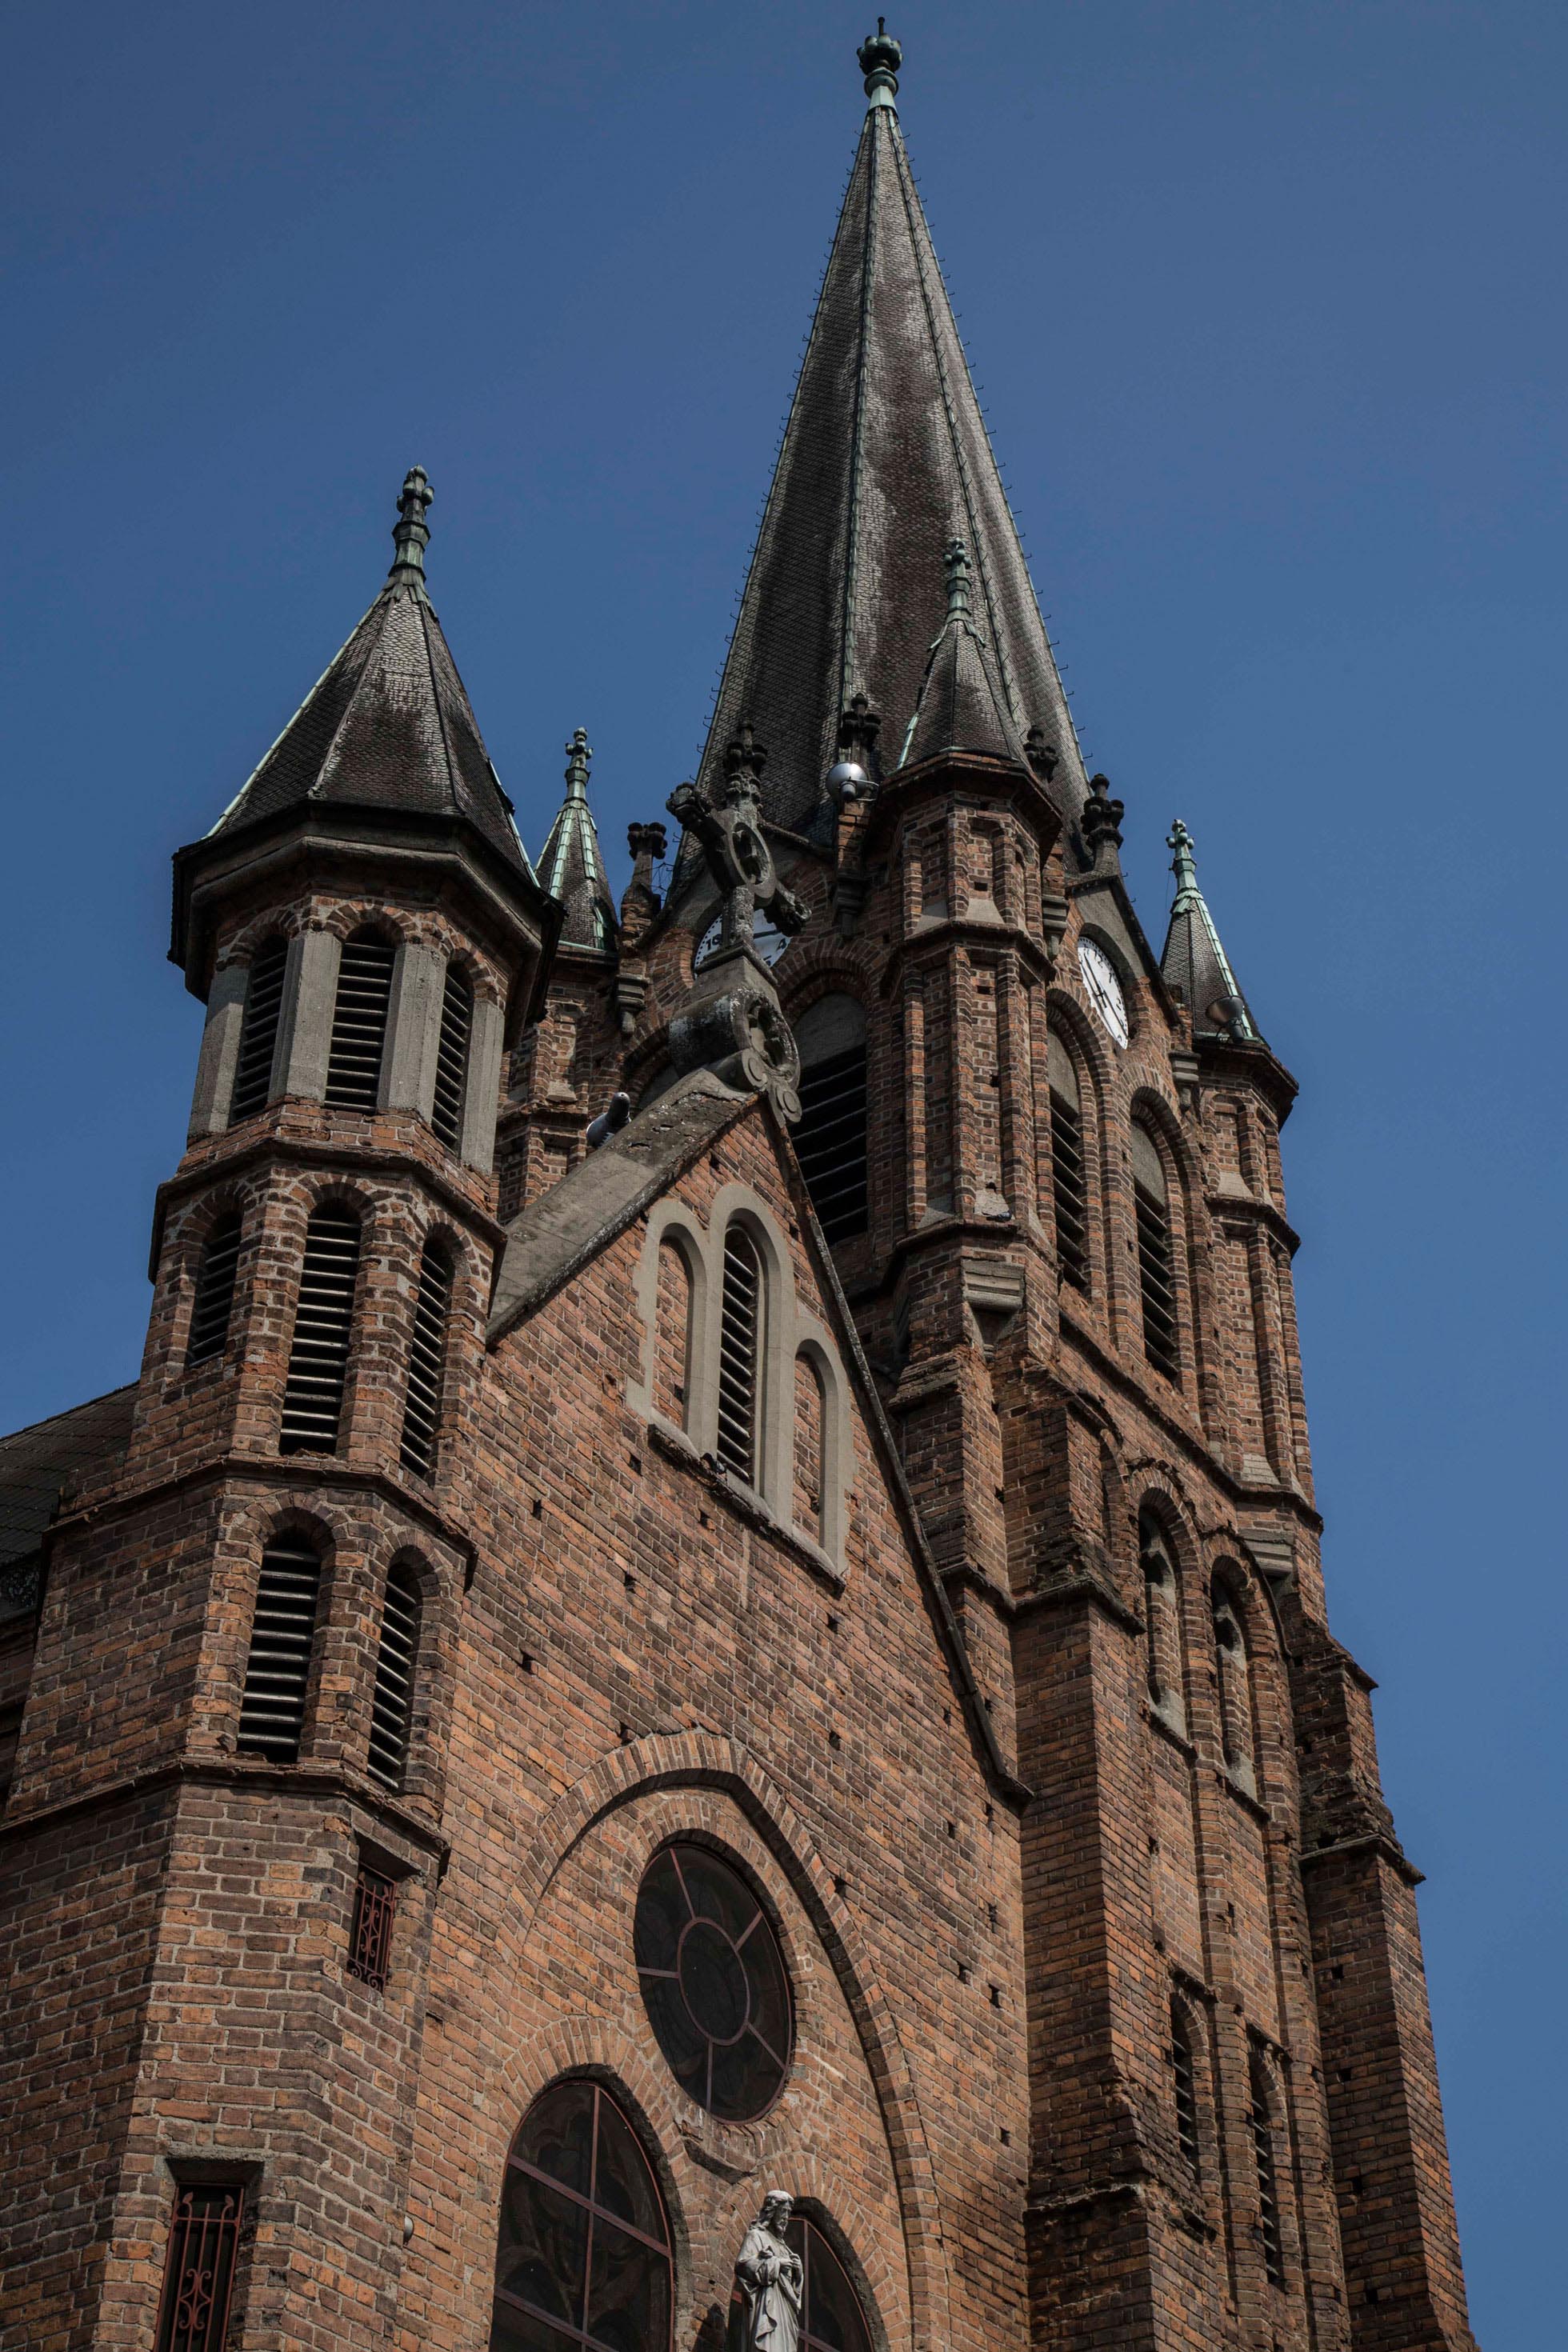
(740, 1354)
(370, 1930)
(452, 1058)
(214, 1301)
(426, 1360)
(199, 2266)
(359, 1022)
(258, 1031)
(1156, 1261)
(283, 1645)
(323, 1332)
(392, 1702)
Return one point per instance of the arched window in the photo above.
(831, 2317)
(1069, 1186)
(1233, 1681)
(427, 1359)
(740, 1354)
(359, 1022)
(1162, 1624)
(392, 1702)
(323, 1330)
(283, 1643)
(809, 1414)
(830, 1139)
(214, 1300)
(452, 1058)
(672, 1333)
(1156, 1263)
(1184, 2088)
(258, 1031)
(583, 2254)
(1260, 2123)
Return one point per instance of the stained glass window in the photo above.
(584, 2253)
(713, 1982)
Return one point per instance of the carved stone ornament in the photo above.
(771, 2277)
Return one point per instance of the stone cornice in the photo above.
(219, 1772)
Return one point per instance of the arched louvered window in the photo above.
(392, 1703)
(1156, 1262)
(213, 1302)
(427, 1359)
(359, 1022)
(282, 1641)
(740, 1354)
(258, 1031)
(1260, 2124)
(1233, 1690)
(831, 1138)
(1162, 1624)
(1069, 1186)
(452, 1058)
(323, 1332)
(1184, 2088)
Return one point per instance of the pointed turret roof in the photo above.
(884, 459)
(390, 725)
(961, 705)
(1195, 966)
(571, 865)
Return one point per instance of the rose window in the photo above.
(713, 1982)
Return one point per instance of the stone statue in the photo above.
(771, 2277)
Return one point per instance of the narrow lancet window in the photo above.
(1069, 1188)
(323, 1332)
(1184, 2086)
(359, 1022)
(740, 1354)
(392, 1702)
(426, 1360)
(213, 1302)
(1156, 1261)
(283, 1643)
(452, 1058)
(258, 1031)
(1260, 2123)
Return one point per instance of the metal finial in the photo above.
(955, 563)
(411, 532)
(578, 754)
(1183, 866)
(880, 57)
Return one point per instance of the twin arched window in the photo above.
(322, 1346)
(585, 2252)
(284, 1626)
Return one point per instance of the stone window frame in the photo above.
(788, 1331)
(304, 1043)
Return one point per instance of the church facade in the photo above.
(691, 1703)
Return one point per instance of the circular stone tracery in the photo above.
(713, 1982)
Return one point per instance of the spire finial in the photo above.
(880, 57)
(578, 754)
(1101, 820)
(1183, 866)
(955, 563)
(411, 532)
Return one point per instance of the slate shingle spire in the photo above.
(885, 460)
(389, 726)
(1195, 966)
(571, 865)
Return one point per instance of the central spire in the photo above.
(885, 462)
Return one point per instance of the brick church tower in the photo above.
(691, 1703)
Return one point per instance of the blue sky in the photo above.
(1266, 305)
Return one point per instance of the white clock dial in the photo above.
(1103, 988)
(769, 941)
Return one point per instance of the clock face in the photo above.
(769, 941)
(1103, 988)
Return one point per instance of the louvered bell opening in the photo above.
(739, 1335)
(1069, 1192)
(323, 1326)
(391, 1706)
(359, 1022)
(452, 1058)
(1155, 1279)
(1185, 2078)
(427, 1357)
(1268, 2187)
(258, 1032)
(213, 1302)
(830, 1142)
(282, 1635)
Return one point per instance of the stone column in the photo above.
(309, 1001)
(220, 1052)
(414, 1031)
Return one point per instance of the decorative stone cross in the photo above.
(729, 824)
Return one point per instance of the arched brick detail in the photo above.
(703, 1760)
